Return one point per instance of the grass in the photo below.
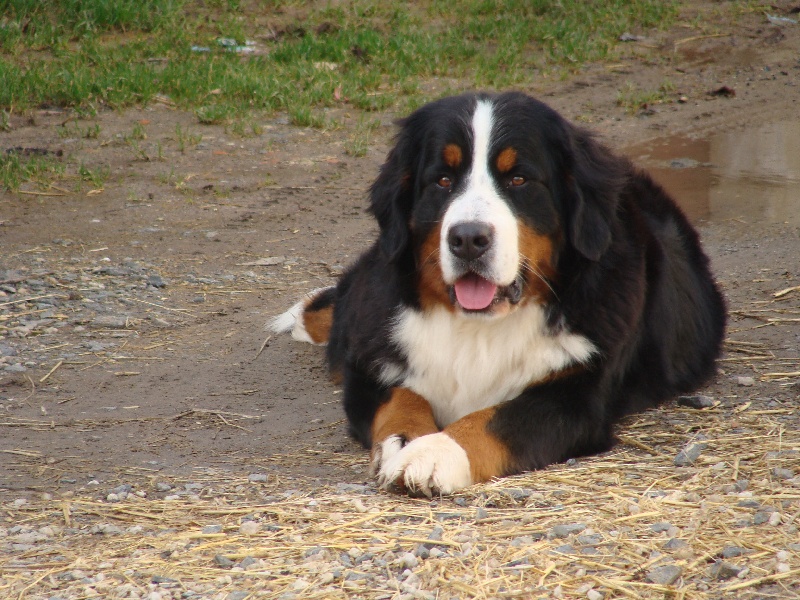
(633, 98)
(16, 168)
(93, 54)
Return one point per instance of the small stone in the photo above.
(783, 473)
(775, 519)
(209, 529)
(660, 527)
(156, 281)
(237, 595)
(698, 402)
(733, 551)
(110, 322)
(590, 540)
(745, 381)
(249, 528)
(407, 560)
(675, 544)
(565, 549)
(223, 561)
(690, 453)
(422, 552)
(163, 487)
(761, 517)
(666, 575)
(562, 531)
(481, 514)
(594, 595)
(248, 561)
(723, 570)
(257, 478)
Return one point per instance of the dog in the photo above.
(528, 288)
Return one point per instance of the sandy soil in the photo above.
(147, 364)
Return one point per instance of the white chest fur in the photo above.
(463, 364)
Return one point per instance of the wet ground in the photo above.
(131, 314)
(751, 174)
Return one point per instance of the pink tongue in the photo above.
(473, 292)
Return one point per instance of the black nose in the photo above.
(470, 240)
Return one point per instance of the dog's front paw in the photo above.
(431, 464)
(384, 451)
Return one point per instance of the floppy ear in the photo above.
(391, 198)
(596, 180)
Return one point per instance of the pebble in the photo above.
(249, 528)
(690, 453)
(733, 551)
(675, 544)
(594, 595)
(698, 402)
(779, 473)
(562, 531)
(209, 529)
(223, 561)
(745, 381)
(257, 478)
(661, 527)
(723, 570)
(110, 322)
(664, 575)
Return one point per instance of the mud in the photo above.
(239, 228)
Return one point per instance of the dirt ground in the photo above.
(146, 361)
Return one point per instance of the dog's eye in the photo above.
(517, 181)
(445, 183)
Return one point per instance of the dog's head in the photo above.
(482, 194)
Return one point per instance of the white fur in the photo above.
(461, 364)
(433, 463)
(384, 452)
(292, 320)
(481, 202)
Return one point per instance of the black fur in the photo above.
(631, 277)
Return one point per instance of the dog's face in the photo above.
(482, 193)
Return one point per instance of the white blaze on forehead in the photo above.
(481, 202)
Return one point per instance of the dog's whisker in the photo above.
(528, 266)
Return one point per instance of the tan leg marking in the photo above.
(406, 414)
(488, 456)
(317, 324)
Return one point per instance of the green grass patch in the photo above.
(372, 55)
(17, 168)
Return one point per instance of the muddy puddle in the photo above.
(746, 175)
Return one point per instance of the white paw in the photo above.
(430, 464)
(384, 452)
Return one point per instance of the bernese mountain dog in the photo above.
(527, 290)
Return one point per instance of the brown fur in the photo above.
(538, 252)
(506, 160)
(488, 456)
(318, 324)
(406, 414)
(452, 155)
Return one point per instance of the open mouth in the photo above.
(477, 294)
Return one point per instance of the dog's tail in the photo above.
(310, 319)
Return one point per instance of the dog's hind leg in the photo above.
(310, 319)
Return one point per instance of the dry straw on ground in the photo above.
(627, 524)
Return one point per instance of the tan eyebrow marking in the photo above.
(452, 156)
(506, 160)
